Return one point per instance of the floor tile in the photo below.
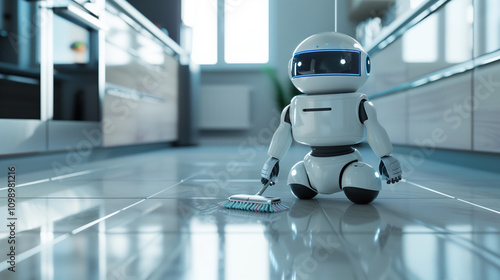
(92, 189)
(156, 216)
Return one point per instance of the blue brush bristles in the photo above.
(253, 206)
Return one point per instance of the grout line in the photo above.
(477, 205)
(86, 226)
(326, 215)
(174, 185)
(57, 178)
(426, 188)
(29, 183)
(450, 196)
(33, 183)
(35, 250)
(75, 174)
(60, 177)
(229, 180)
(133, 204)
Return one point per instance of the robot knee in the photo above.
(299, 182)
(360, 183)
(360, 175)
(302, 192)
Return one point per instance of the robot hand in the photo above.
(270, 171)
(390, 168)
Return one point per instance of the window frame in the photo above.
(221, 64)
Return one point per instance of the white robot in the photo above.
(330, 117)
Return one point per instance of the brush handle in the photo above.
(269, 183)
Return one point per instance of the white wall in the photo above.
(291, 21)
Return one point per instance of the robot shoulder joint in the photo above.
(366, 111)
(285, 115)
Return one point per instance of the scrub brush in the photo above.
(255, 202)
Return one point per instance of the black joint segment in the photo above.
(276, 170)
(362, 112)
(360, 196)
(342, 173)
(287, 116)
(302, 192)
(331, 151)
(382, 169)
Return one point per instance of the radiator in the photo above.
(225, 107)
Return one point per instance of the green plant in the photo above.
(283, 94)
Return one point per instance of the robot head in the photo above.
(329, 62)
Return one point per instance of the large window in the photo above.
(228, 31)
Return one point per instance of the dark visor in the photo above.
(328, 62)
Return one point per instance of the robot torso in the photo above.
(327, 119)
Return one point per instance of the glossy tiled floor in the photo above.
(155, 216)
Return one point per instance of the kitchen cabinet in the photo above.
(80, 74)
(142, 83)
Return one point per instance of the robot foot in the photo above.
(302, 192)
(360, 196)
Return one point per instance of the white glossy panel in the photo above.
(127, 35)
(392, 113)
(486, 108)
(137, 73)
(22, 136)
(74, 135)
(335, 124)
(440, 114)
(128, 121)
(138, 65)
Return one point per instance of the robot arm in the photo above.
(280, 143)
(375, 134)
(379, 142)
(282, 138)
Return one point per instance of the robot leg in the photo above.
(299, 182)
(360, 182)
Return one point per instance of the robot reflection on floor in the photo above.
(330, 117)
